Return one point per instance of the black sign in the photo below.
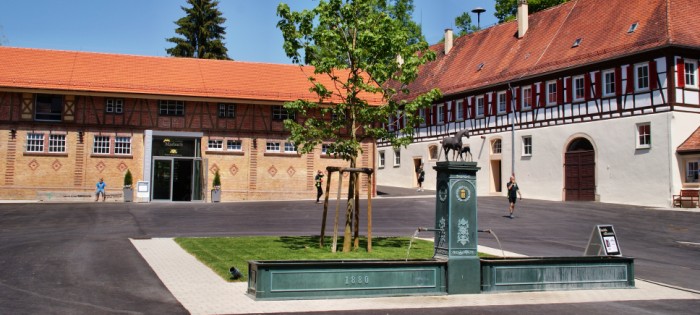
(603, 242)
(607, 236)
(169, 146)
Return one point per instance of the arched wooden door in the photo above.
(579, 171)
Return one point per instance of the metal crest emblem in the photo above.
(463, 193)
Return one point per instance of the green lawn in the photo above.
(220, 253)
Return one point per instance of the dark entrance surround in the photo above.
(579, 171)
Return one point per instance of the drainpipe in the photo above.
(512, 130)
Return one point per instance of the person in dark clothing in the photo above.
(513, 193)
(319, 188)
(421, 177)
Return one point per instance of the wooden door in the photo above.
(579, 170)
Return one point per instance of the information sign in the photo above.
(142, 190)
(603, 242)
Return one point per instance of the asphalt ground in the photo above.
(76, 258)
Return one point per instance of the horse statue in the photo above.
(454, 143)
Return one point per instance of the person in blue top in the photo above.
(100, 190)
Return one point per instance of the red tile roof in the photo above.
(690, 145)
(547, 46)
(185, 77)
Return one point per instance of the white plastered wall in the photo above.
(624, 173)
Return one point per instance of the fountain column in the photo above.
(456, 222)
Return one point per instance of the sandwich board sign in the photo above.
(142, 191)
(603, 242)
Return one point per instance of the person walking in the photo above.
(319, 188)
(513, 193)
(421, 177)
(100, 190)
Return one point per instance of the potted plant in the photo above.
(216, 190)
(128, 190)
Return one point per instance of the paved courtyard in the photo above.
(114, 258)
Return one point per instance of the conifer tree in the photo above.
(201, 31)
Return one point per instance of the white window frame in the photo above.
(35, 143)
(502, 106)
(608, 83)
(215, 145)
(382, 159)
(480, 106)
(643, 139)
(459, 106)
(579, 88)
(272, 147)
(496, 146)
(122, 145)
(289, 147)
(526, 97)
(551, 94)
(641, 82)
(527, 146)
(691, 73)
(111, 145)
(691, 171)
(440, 114)
(101, 144)
(421, 112)
(57, 143)
(234, 145)
(397, 157)
(391, 123)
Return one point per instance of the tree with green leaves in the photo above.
(506, 9)
(464, 24)
(201, 30)
(366, 49)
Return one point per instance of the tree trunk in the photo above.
(347, 236)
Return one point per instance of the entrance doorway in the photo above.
(177, 171)
(496, 175)
(579, 171)
(177, 179)
(417, 162)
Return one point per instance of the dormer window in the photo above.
(480, 66)
(576, 43)
(633, 27)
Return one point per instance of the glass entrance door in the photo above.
(182, 179)
(162, 183)
(177, 179)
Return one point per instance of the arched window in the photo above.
(580, 144)
(496, 146)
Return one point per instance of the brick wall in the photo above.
(252, 174)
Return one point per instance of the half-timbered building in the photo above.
(588, 100)
(69, 118)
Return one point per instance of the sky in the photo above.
(140, 27)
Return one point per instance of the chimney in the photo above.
(448, 40)
(522, 18)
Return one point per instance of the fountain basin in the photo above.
(556, 273)
(284, 280)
